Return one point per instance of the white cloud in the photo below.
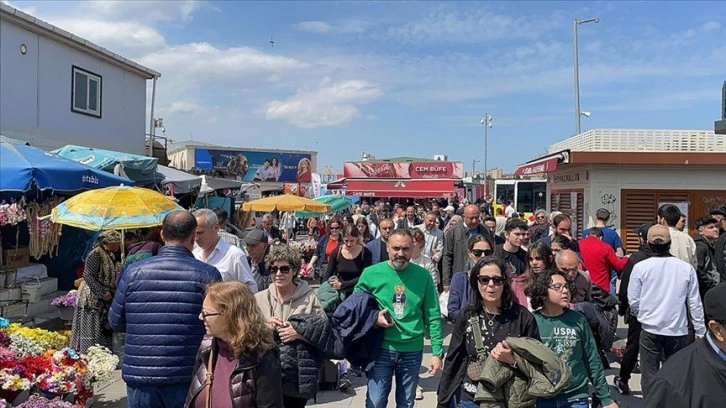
(314, 26)
(183, 106)
(128, 38)
(333, 104)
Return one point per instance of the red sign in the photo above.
(541, 166)
(401, 188)
(410, 170)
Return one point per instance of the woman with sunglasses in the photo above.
(237, 349)
(460, 292)
(498, 316)
(568, 334)
(289, 296)
(326, 245)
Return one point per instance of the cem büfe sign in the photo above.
(254, 165)
(409, 170)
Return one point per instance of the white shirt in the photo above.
(434, 247)
(230, 261)
(426, 263)
(509, 211)
(659, 290)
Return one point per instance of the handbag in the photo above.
(475, 369)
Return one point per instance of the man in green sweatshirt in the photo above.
(409, 306)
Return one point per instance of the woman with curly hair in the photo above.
(539, 259)
(568, 334)
(237, 364)
(327, 244)
(498, 315)
(301, 329)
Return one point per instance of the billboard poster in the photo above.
(408, 170)
(254, 166)
(315, 184)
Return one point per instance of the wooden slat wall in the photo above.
(641, 206)
(560, 201)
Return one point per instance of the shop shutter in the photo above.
(561, 201)
(639, 207)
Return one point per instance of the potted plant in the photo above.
(65, 304)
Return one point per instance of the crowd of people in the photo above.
(215, 319)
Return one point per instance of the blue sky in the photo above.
(412, 78)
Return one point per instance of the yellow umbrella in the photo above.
(114, 208)
(286, 202)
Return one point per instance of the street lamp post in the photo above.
(473, 167)
(578, 113)
(486, 121)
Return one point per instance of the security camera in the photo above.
(585, 114)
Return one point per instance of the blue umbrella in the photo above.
(22, 165)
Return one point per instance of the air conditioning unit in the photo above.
(440, 157)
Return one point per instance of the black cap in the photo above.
(255, 236)
(715, 303)
(642, 231)
(221, 214)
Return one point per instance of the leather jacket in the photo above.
(255, 382)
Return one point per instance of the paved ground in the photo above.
(113, 393)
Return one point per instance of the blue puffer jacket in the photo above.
(157, 304)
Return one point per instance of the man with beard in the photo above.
(409, 305)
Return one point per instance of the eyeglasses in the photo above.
(481, 252)
(206, 314)
(558, 287)
(485, 279)
(283, 269)
(541, 217)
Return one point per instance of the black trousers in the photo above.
(652, 346)
(292, 402)
(632, 348)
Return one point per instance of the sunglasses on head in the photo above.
(284, 269)
(481, 252)
(485, 279)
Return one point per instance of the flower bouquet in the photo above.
(65, 304)
(12, 382)
(36, 401)
(101, 363)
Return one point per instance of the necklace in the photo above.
(489, 320)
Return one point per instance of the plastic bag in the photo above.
(444, 303)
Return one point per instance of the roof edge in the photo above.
(48, 30)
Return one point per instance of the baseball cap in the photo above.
(449, 208)
(659, 232)
(255, 236)
(642, 231)
(715, 303)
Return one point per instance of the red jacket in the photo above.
(599, 258)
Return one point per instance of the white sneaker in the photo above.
(419, 393)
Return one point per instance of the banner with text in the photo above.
(413, 170)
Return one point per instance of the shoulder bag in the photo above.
(475, 369)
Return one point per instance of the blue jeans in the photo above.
(554, 403)
(468, 404)
(167, 396)
(613, 282)
(406, 366)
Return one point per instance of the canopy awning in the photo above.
(183, 182)
(545, 164)
(401, 188)
(141, 169)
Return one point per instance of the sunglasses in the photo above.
(485, 279)
(333, 228)
(284, 269)
(205, 314)
(481, 252)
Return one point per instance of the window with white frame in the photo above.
(86, 92)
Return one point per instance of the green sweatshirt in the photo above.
(410, 297)
(570, 337)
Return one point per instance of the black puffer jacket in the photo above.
(300, 360)
(255, 382)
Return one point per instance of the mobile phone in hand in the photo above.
(387, 316)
